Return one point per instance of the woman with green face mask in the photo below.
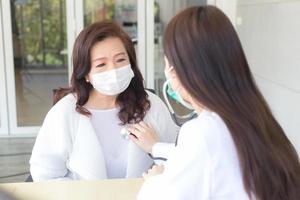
(168, 91)
(234, 149)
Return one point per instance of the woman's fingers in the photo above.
(155, 170)
(144, 125)
(154, 167)
(145, 176)
(140, 127)
(133, 139)
(145, 135)
(149, 125)
(134, 131)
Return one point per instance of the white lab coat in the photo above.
(67, 146)
(203, 165)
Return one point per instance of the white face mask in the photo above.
(114, 81)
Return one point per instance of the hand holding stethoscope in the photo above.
(143, 135)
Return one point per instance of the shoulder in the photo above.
(67, 102)
(155, 102)
(206, 120)
(158, 109)
(66, 105)
(207, 129)
(62, 118)
(208, 126)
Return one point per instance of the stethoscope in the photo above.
(179, 120)
(125, 133)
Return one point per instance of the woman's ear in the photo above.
(167, 65)
(173, 74)
(175, 81)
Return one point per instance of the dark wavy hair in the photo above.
(133, 101)
(204, 48)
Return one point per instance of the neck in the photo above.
(100, 101)
(196, 105)
(198, 108)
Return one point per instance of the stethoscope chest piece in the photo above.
(125, 133)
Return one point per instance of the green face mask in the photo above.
(174, 94)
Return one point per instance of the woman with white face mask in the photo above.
(85, 134)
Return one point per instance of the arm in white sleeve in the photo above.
(185, 166)
(179, 180)
(51, 149)
(161, 151)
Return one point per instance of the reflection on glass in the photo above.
(40, 56)
(163, 12)
(121, 11)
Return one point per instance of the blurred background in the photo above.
(36, 41)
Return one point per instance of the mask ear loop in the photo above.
(179, 120)
(166, 97)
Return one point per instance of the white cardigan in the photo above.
(67, 146)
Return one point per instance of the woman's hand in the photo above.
(155, 170)
(143, 135)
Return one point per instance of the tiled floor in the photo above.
(14, 157)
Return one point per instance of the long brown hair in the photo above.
(203, 46)
(133, 101)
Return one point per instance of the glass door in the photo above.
(35, 46)
(163, 12)
(38, 38)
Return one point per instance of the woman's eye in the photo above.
(121, 60)
(101, 65)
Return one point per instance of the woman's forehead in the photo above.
(108, 48)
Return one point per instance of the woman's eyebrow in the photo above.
(100, 58)
(119, 54)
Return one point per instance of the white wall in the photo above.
(270, 33)
(227, 6)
